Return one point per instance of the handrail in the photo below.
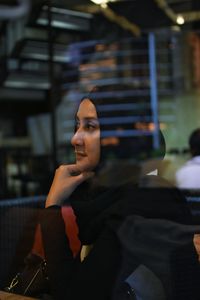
(22, 201)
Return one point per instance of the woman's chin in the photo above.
(84, 166)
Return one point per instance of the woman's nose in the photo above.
(77, 138)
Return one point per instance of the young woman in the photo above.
(95, 276)
(79, 210)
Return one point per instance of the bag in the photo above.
(33, 280)
(159, 261)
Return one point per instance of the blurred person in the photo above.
(188, 176)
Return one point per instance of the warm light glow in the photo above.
(104, 5)
(113, 140)
(180, 20)
(100, 2)
(149, 126)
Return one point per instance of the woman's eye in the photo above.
(90, 126)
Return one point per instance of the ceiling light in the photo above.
(100, 2)
(104, 5)
(180, 20)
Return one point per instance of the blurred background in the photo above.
(52, 52)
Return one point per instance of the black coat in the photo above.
(99, 221)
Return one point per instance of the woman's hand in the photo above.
(196, 241)
(66, 179)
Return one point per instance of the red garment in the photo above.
(71, 229)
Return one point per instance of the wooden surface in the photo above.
(9, 296)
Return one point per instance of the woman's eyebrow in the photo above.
(90, 118)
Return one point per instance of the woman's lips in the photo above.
(80, 153)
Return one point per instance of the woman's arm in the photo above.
(60, 240)
(67, 178)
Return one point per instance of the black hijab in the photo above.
(124, 148)
(113, 193)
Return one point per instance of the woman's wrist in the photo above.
(55, 206)
(51, 203)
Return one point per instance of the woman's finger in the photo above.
(73, 170)
(85, 175)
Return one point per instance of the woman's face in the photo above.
(86, 140)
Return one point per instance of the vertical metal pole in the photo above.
(154, 89)
(52, 87)
(9, 37)
(6, 47)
